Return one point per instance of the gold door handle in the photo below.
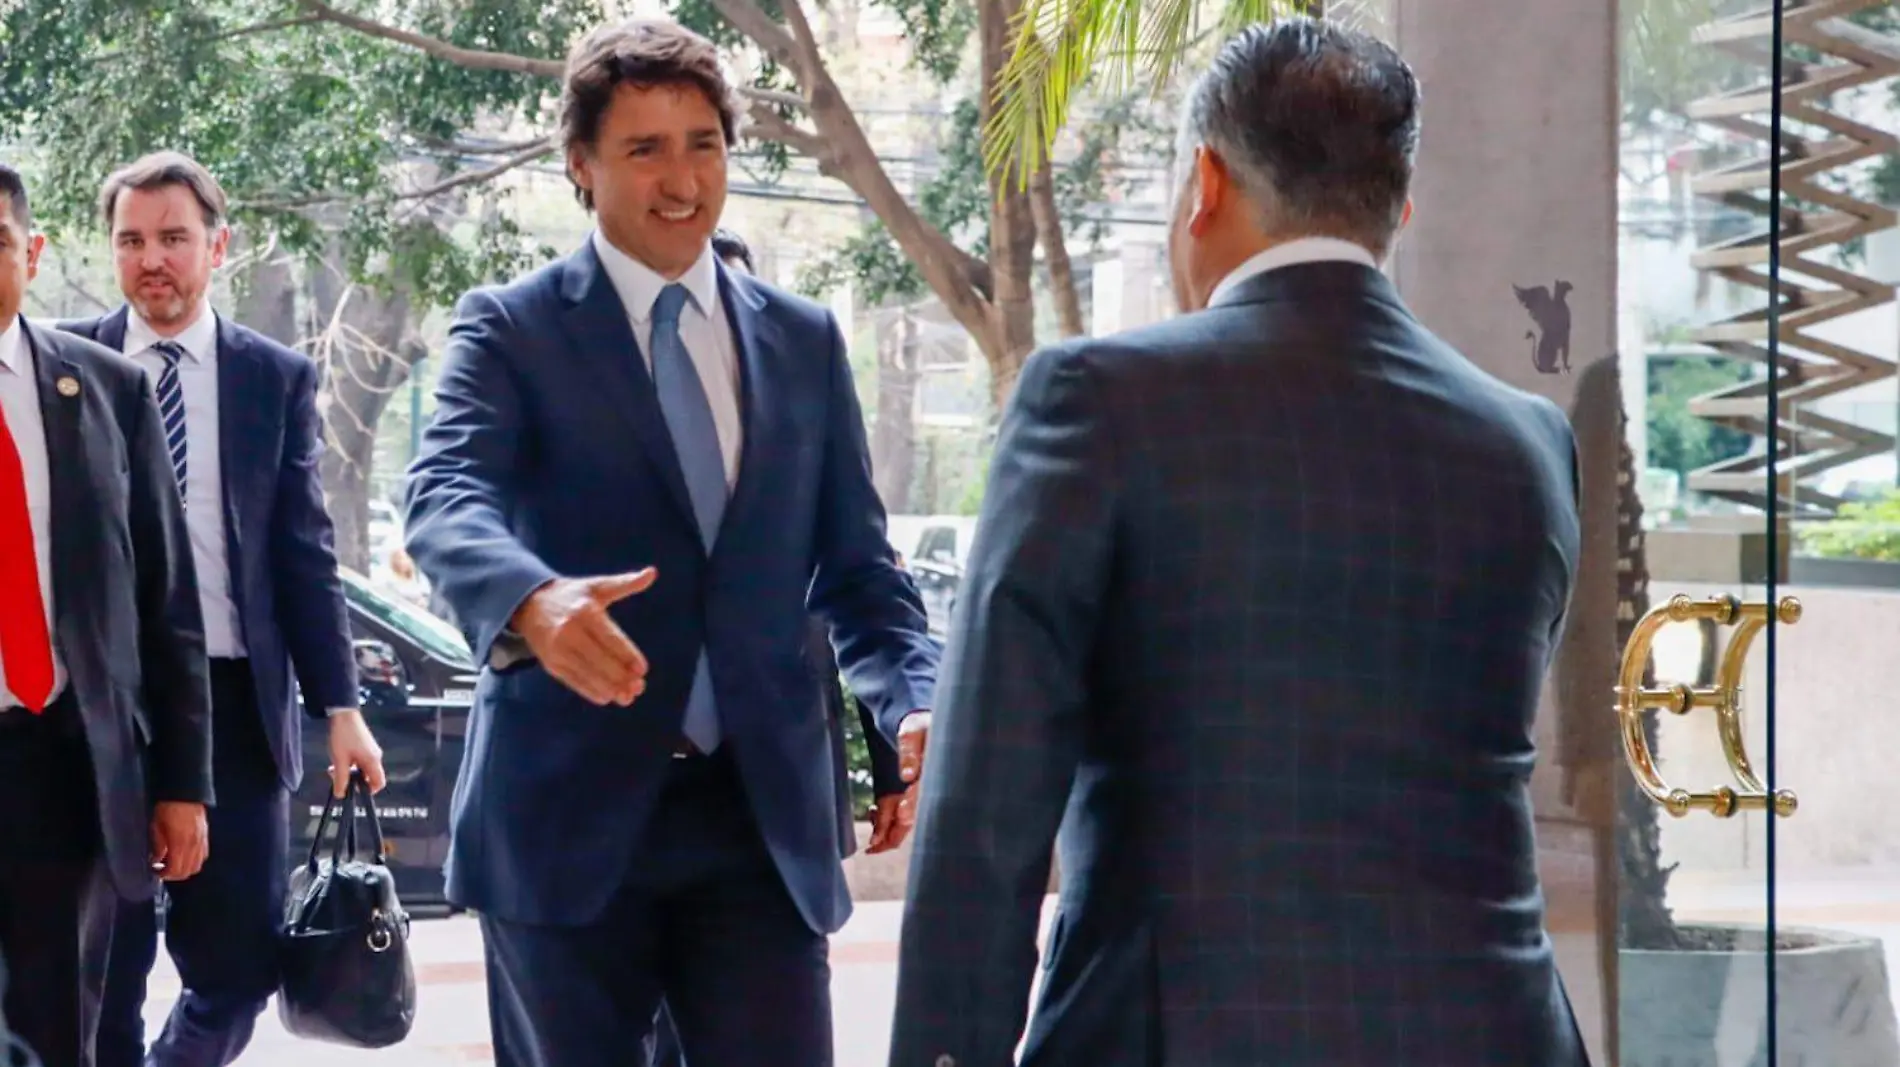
(1724, 697)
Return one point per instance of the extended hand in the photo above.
(180, 842)
(566, 625)
(352, 745)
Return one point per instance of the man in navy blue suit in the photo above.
(644, 473)
(243, 437)
(887, 785)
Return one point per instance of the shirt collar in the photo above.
(639, 285)
(1299, 250)
(13, 348)
(200, 339)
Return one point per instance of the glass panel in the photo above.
(1824, 688)
(1697, 247)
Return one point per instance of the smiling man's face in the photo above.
(657, 172)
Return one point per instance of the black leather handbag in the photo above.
(346, 977)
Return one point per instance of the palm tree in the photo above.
(1111, 45)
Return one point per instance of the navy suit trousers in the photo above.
(221, 925)
(703, 921)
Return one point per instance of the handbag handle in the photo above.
(345, 841)
(360, 787)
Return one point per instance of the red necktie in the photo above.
(25, 646)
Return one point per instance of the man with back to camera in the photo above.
(645, 473)
(243, 440)
(105, 712)
(1259, 618)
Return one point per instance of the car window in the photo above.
(432, 634)
(938, 539)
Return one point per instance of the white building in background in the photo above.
(1659, 290)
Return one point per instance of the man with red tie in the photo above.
(105, 710)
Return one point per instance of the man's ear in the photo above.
(1405, 217)
(1213, 189)
(579, 166)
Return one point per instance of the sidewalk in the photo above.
(452, 1017)
(452, 1013)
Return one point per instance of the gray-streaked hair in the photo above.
(1318, 124)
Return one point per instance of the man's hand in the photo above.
(353, 746)
(912, 735)
(885, 833)
(180, 842)
(566, 625)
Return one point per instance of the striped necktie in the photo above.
(171, 407)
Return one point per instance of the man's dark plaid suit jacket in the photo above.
(1260, 608)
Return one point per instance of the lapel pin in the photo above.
(67, 386)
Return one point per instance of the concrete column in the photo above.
(1516, 202)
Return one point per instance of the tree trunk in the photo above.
(364, 344)
(266, 298)
(1012, 223)
(894, 438)
(1055, 252)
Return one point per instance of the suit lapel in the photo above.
(111, 331)
(598, 330)
(757, 336)
(65, 464)
(244, 429)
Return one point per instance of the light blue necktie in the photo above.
(696, 440)
(171, 407)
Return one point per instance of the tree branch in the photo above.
(750, 19)
(539, 149)
(747, 16)
(470, 148)
(768, 125)
(265, 27)
(271, 26)
(801, 28)
(772, 96)
(470, 58)
(838, 141)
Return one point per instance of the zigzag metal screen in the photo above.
(1827, 55)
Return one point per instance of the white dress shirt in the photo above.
(20, 401)
(703, 328)
(1298, 250)
(204, 484)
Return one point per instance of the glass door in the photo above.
(1759, 617)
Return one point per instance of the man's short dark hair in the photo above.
(13, 187)
(163, 170)
(1318, 123)
(729, 245)
(643, 53)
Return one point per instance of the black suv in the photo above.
(416, 683)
